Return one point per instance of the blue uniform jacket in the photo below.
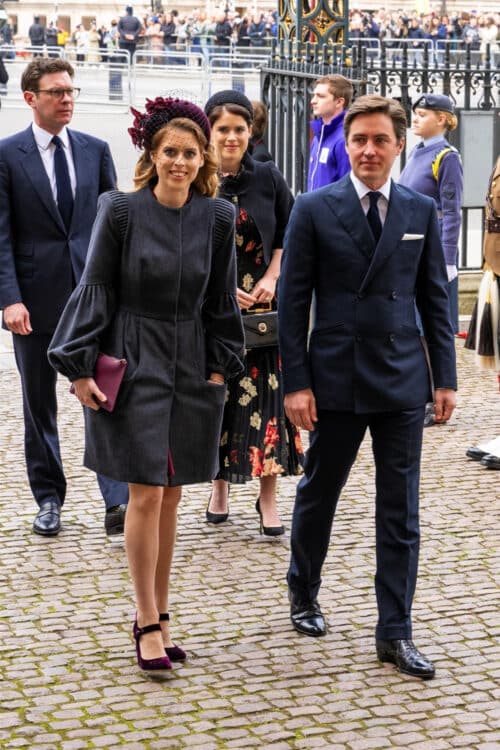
(446, 191)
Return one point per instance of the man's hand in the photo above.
(300, 407)
(445, 400)
(17, 319)
(86, 389)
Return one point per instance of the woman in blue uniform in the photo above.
(434, 168)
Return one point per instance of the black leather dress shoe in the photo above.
(475, 453)
(306, 617)
(114, 520)
(48, 519)
(491, 461)
(407, 658)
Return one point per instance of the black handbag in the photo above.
(261, 328)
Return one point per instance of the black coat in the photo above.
(165, 300)
(261, 190)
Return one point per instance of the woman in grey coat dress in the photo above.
(159, 290)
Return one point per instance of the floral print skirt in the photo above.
(257, 439)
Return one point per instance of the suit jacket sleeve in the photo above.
(294, 298)
(9, 287)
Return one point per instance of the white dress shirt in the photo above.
(362, 190)
(46, 148)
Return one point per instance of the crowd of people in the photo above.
(217, 32)
(206, 317)
(470, 28)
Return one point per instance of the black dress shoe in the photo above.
(114, 520)
(306, 617)
(491, 461)
(48, 519)
(407, 658)
(475, 453)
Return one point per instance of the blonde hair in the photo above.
(451, 120)
(206, 181)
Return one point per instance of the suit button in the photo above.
(394, 295)
(392, 337)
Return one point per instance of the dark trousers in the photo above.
(41, 439)
(396, 443)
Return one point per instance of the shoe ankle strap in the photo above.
(164, 616)
(147, 629)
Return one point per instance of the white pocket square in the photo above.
(412, 237)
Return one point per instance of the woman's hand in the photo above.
(88, 393)
(216, 377)
(245, 300)
(265, 289)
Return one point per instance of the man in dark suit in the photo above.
(370, 252)
(50, 180)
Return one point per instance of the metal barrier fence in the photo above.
(114, 78)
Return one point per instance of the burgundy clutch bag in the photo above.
(108, 375)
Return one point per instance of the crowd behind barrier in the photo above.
(222, 32)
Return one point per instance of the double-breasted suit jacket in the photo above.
(365, 351)
(40, 260)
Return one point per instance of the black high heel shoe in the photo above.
(149, 665)
(174, 653)
(268, 530)
(216, 518)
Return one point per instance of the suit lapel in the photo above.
(344, 202)
(398, 215)
(32, 164)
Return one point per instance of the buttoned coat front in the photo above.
(365, 351)
(160, 293)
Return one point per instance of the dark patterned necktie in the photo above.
(63, 182)
(373, 215)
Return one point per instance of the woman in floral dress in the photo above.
(257, 440)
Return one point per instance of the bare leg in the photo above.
(268, 501)
(220, 491)
(168, 526)
(142, 523)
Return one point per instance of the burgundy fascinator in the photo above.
(158, 113)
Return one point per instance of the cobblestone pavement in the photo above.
(69, 678)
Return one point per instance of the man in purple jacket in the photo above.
(328, 160)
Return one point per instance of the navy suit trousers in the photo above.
(41, 439)
(397, 442)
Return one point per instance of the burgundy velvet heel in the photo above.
(174, 653)
(149, 665)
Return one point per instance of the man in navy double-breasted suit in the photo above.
(369, 251)
(44, 238)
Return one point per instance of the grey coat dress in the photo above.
(161, 294)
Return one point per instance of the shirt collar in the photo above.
(361, 189)
(43, 138)
(431, 141)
